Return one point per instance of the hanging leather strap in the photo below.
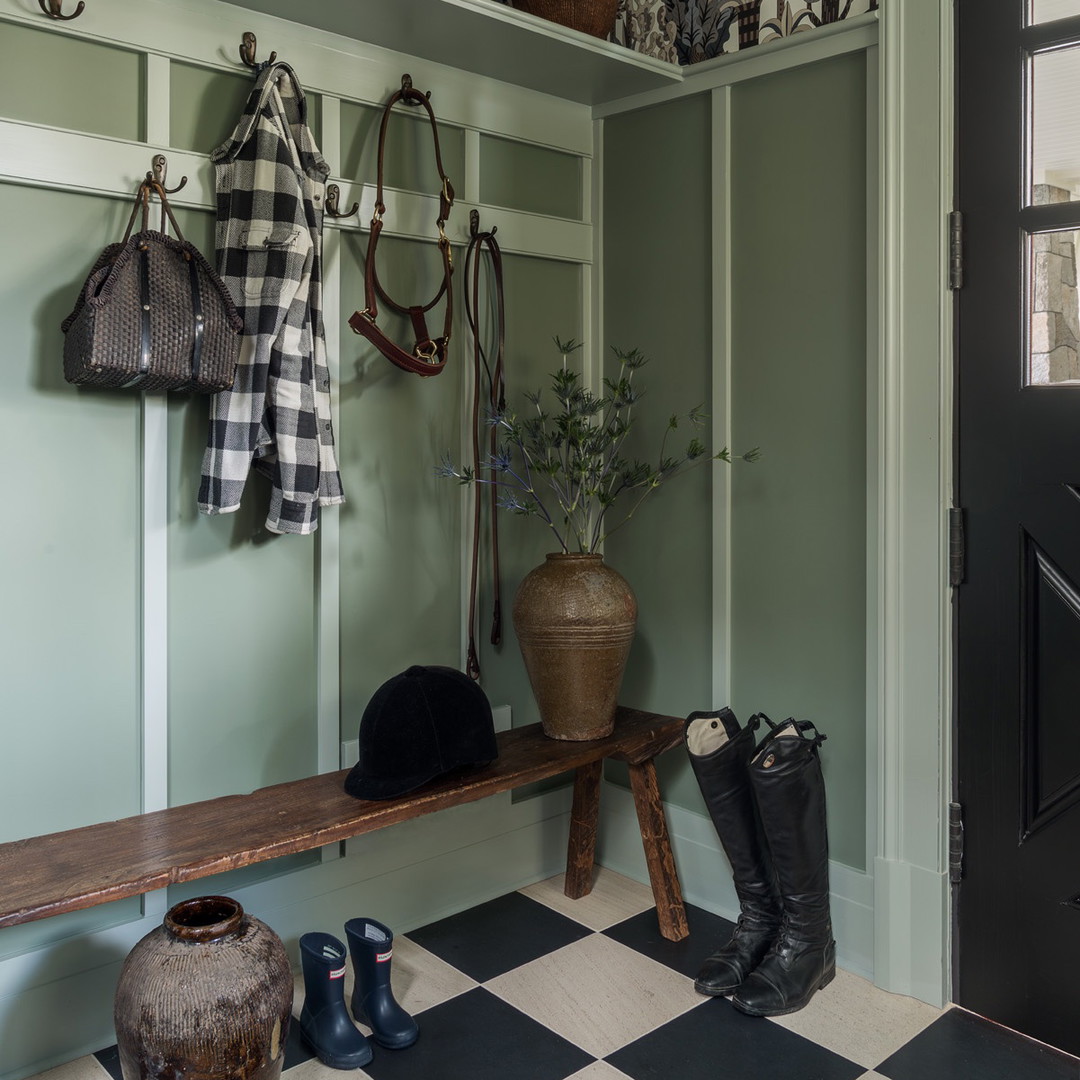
(495, 385)
(428, 356)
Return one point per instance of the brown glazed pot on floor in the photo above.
(205, 996)
(575, 619)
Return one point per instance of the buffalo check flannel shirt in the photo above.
(271, 182)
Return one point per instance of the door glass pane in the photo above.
(1048, 10)
(1055, 126)
(1053, 309)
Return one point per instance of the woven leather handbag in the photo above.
(153, 314)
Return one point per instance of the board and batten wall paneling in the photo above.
(657, 297)
(798, 384)
(230, 663)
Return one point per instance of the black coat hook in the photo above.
(333, 195)
(54, 9)
(474, 224)
(410, 95)
(248, 46)
(157, 174)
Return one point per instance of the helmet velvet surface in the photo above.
(420, 724)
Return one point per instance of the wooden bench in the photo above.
(66, 871)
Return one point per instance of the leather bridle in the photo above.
(428, 356)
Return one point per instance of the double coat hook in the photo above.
(159, 167)
(55, 9)
(248, 46)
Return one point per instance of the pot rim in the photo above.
(204, 918)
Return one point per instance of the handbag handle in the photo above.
(149, 187)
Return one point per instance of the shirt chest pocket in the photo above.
(273, 255)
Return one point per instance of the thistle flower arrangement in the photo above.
(567, 467)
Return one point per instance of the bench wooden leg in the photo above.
(584, 815)
(670, 911)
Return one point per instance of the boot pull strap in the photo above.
(755, 722)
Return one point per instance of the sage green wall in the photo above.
(798, 390)
(400, 529)
(83, 100)
(798, 384)
(657, 228)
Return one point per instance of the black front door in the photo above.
(1018, 456)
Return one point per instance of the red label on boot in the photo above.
(339, 974)
(382, 957)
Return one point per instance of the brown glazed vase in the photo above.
(575, 619)
(205, 996)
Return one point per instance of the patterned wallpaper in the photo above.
(688, 31)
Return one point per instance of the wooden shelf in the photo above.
(67, 871)
(489, 39)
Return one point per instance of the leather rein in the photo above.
(494, 405)
(428, 356)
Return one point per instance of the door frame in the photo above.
(914, 761)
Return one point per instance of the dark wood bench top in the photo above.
(66, 871)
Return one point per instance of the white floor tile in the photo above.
(854, 1018)
(613, 898)
(600, 1070)
(314, 1069)
(597, 993)
(84, 1068)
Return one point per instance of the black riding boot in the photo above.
(785, 772)
(719, 753)
(324, 1021)
(371, 946)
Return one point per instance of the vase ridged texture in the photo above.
(205, 996)
(575, 619)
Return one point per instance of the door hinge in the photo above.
(956, 843)
(956, 250)
(956, 546)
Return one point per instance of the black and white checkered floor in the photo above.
(532, 986)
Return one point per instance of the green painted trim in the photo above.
(914, 761)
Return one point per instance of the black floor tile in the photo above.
(498, 936)
(477, 1036)
(642, 932)
(109, 1059)
(959, 1045)
(296, 1052)
(715, 1042)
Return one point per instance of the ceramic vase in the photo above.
(575, 619)
(205, 996)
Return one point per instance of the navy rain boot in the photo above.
(325, 1023)
(371, 946)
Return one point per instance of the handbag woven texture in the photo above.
(153, 314)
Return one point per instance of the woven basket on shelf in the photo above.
(596, 17)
